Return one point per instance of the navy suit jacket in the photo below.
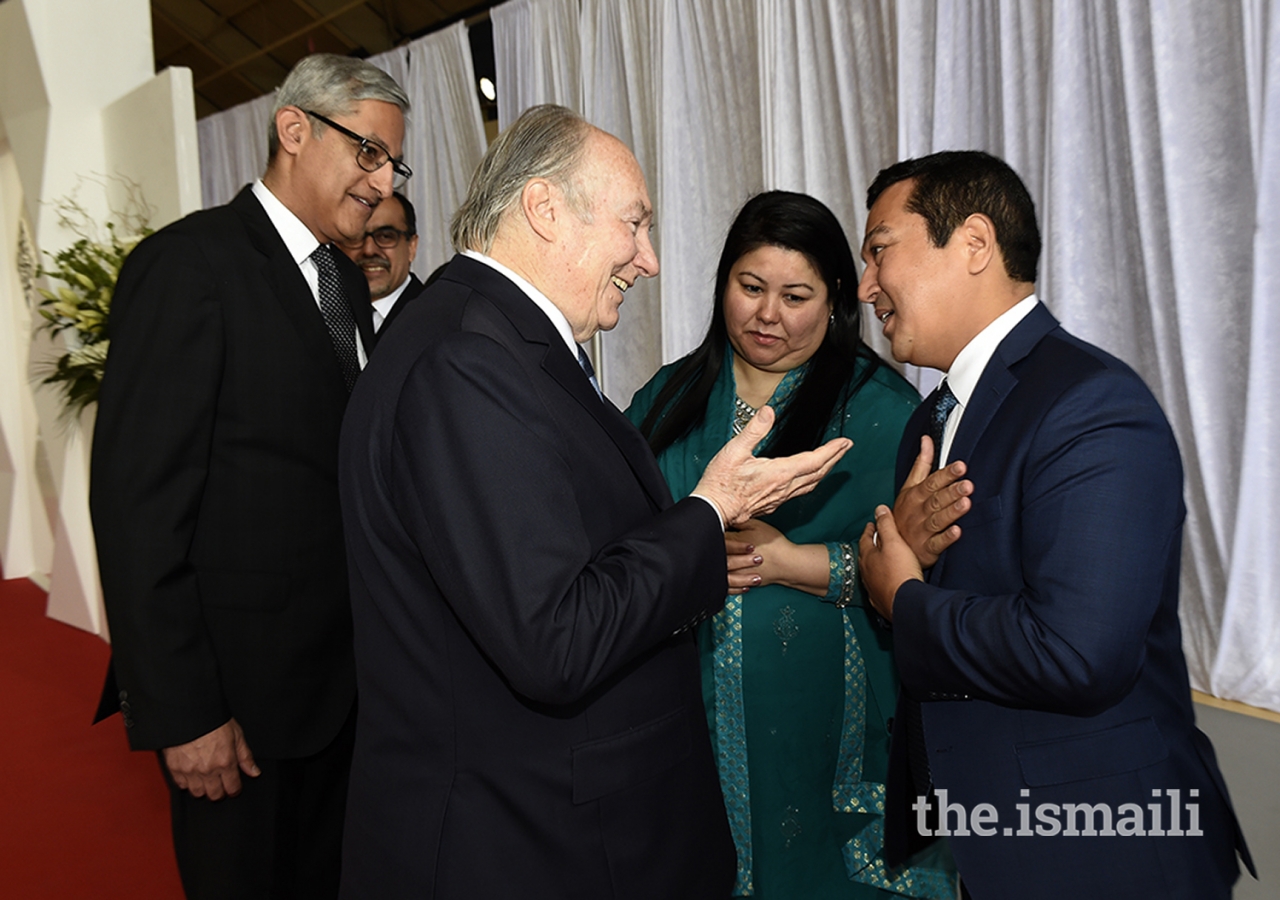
(530, 719)
(1045, 646)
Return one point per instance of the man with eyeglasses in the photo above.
(384, 253)
(237, 336)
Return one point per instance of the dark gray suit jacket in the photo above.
(214, 490)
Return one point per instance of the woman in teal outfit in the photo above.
(798, 680)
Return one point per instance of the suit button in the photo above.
(124, 695)
(889, 724)
(124, 707)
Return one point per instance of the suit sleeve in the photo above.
(1096, 542)
(499, 517)
(150, 458)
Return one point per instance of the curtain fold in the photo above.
(537, 56)
(444, 139)
(233, 149)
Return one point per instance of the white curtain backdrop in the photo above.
(233, 149)
(1147, 132)
(444, 139)
(537, 56)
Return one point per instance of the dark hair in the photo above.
(793, 222)
(952, 185)
(410, 217)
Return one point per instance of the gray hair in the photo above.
(547, 141)
(332, 85)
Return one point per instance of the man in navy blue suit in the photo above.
(1045, 724)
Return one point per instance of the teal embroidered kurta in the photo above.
(798, 691)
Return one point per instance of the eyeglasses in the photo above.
(370, 156)
(385, 237)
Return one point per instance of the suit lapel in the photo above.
(995, 384)
(559, 363)
(284, 279)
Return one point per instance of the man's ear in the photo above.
(979, 236)
(292, 129)
(540, 203)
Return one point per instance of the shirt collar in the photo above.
(972, 360)
(298, 239)
(383, 304)
(551, 311)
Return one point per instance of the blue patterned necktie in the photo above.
(942, 406)
(585, 362)
(337, 314)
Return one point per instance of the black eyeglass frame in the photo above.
(366, 145)
(385, 229)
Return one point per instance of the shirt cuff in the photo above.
(711, 503)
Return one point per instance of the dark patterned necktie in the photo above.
(942, 406)
(337, 314)
(585, 362)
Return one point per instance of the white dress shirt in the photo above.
(383, 305)
(970, 363)
(300, 243)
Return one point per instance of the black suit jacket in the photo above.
(410, 293)
(530, 712)
(214, 489)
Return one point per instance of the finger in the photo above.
(757, 429)
(938, 542)
(737, 548)
(885, 525)
(245, 757)
(866, 543)
(742, 582)
(924, 462)
(741, 561)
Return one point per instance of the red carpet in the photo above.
(81, 817)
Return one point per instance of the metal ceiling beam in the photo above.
(292, 36)
(328, 26)
(198, 43)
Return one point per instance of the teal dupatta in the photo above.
(798, 691)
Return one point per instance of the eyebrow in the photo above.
(875, 232)
(794, 284)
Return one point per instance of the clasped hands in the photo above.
(908, 539)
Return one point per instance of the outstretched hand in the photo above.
(928, 505)
(743, 486)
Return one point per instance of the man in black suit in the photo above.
(531, 722)
(236, 336)
(384, 253)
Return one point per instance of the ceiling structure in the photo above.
(238, 50)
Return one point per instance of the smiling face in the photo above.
(604, 254)
(916, 289)
(328, 190)
(386, 269)
(776, 308)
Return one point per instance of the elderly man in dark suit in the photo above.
(236, 337)
(384, 253)
(522, 583)
(1045, 723)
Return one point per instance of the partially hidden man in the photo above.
(523, 586)
(1037, 638)
(236, 336)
